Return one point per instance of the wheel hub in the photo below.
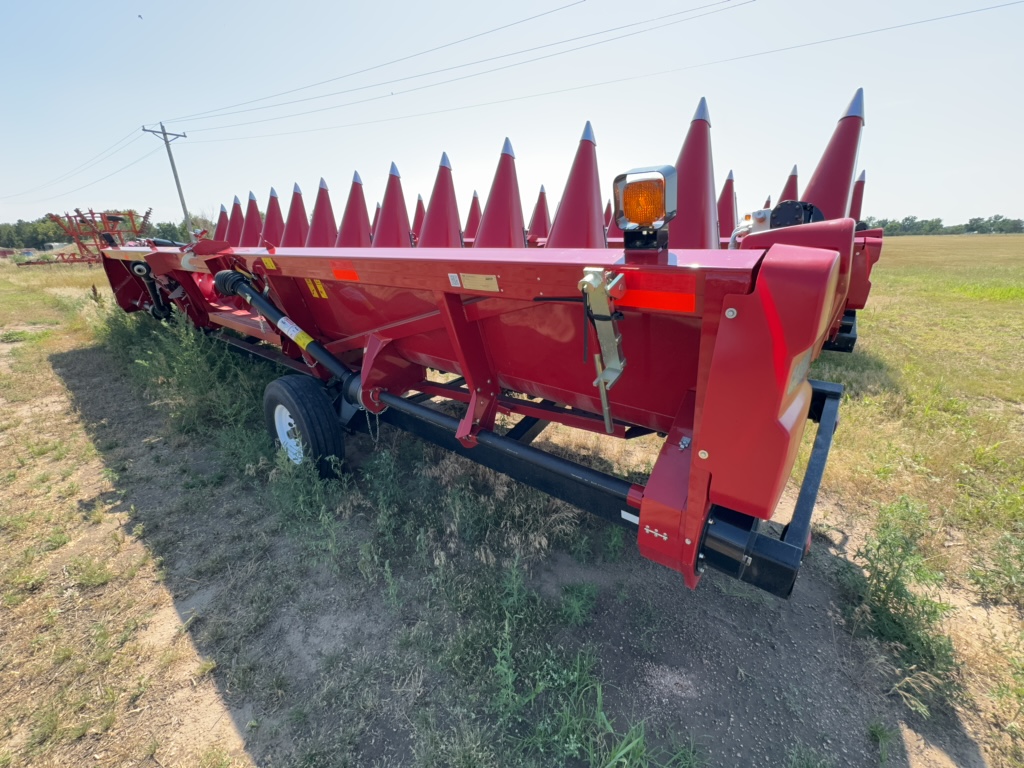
(288, 434)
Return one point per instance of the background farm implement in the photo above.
(663, 314)
(92, 231)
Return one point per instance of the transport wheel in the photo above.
(302, 421)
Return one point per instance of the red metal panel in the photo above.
(763, 350)
(836, 235)
(865, 255)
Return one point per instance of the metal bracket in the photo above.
(601, 288)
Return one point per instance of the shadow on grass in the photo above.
(321, 662)
(861, 373)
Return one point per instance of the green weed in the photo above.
(883, 737)
(89, 572)
(890, 606)
(1000, 577)
(802, 756)
(578, 602)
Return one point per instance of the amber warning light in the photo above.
(645, 201)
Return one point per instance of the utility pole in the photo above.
(168, 138)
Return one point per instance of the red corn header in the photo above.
(668, 313)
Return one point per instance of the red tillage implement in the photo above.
(668, 334)
(90, 232)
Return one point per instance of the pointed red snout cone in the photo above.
(727, 215)
(393, 225)
(614, 233)
(579, 220)
(473, 220)
(376, 218)
(221, 230)
(417, 217)
(857, 201)
(273, 224)
(832, 183)
(696, 223)
(235, 224)
(540, 222)
(322, 229)
(253, 224)
(608, 214)
(501, 225)
(354, 231)
(297, 226)
(441, 226)
(789, 191)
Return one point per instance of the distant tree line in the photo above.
(32, 234)
(911, 225)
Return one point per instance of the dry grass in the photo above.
(103, 664)
(77, 587)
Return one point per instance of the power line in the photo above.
(384, 64)
(614, 81)
(473, 74)
(94, 160)
(616, 28)
(104, 178)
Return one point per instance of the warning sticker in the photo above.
(454, 280)
(287, 326)
(316, 288)
(269, 263)
(480, 282)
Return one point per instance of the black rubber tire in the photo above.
(312, 414)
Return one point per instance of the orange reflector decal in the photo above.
(660, 291)
(344, 270)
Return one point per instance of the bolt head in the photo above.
(702, 454)
(730, 313)
(688, 542)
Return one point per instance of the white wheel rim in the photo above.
(288, 434)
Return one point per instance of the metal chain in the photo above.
(369, 426)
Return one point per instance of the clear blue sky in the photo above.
(943, 102)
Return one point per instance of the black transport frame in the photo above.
(846, 339)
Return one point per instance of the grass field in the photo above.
(171, 593)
